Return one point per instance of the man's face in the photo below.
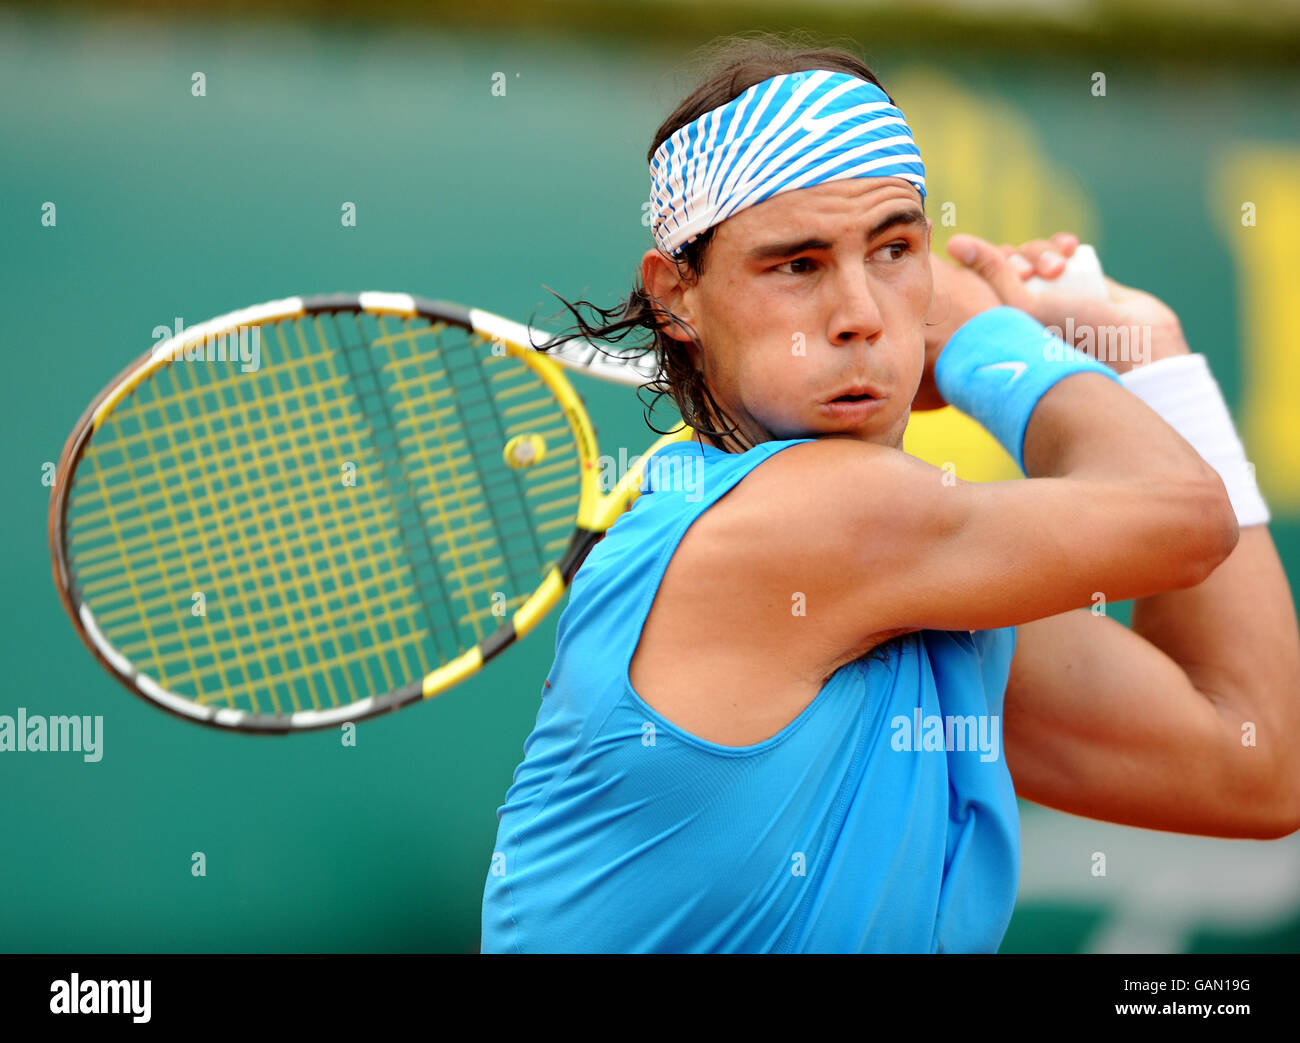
(808, 296)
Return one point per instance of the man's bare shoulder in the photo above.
(799, 485)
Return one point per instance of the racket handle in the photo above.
(1082, 275)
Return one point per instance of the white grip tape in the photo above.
(1082, 276)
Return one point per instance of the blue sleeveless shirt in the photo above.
(881, 819)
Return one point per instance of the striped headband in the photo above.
(792, 131)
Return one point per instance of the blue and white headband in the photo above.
(792, 131)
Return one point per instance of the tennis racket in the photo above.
(320, 509)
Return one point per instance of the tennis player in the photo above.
(791, 712)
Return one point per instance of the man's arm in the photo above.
(1185, 723)
(880, 542)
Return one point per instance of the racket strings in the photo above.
(272, 624)
(304, 618)
(247, 565)
(147, 480)
(453, 423)
(208, 480)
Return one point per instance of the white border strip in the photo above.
(144, 682)
(120, 663)
(318, 718)
(584, 356)
(390, 303)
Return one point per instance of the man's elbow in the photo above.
(1289, 818)
(1275, 809)
(1282, 820)
(1215, 532)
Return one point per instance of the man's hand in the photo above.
(987, 276)
(1094, 322)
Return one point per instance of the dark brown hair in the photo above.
(727, 68)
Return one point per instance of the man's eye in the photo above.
(799, 266)
(901, 248)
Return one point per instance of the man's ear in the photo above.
(664, 282)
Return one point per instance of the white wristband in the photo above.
(1185, 394)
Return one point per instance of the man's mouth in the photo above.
(857, 393)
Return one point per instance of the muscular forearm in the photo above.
(1235, 636)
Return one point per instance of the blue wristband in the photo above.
(998, 365)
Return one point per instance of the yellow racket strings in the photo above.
(327, 526)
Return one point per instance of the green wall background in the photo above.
(170, 205)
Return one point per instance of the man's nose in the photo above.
(855, 313)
